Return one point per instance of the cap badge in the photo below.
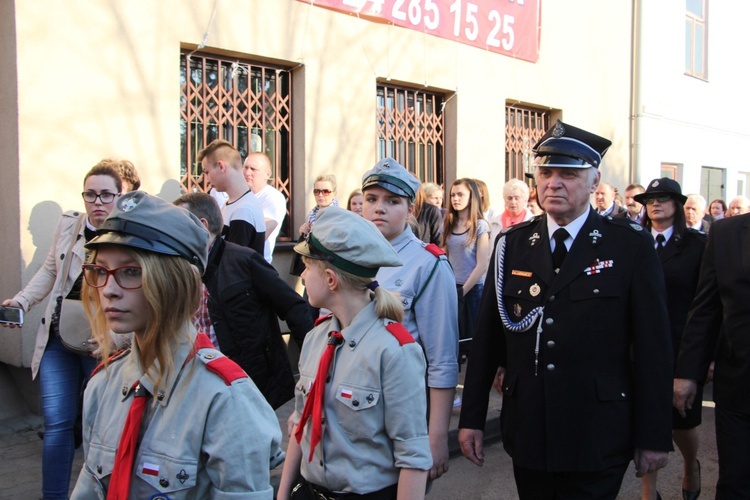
(129, 205)
(533, 238)
(654, 184)
(559, 130)
(534, 290)
(517, 310)
(383, 166)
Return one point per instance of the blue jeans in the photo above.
(61, 377)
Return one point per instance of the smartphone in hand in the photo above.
(11, 315)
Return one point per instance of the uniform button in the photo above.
(124, 390)
(43, 320)
(160, 397)
(321, 463)
(98, 469)
(164, 482)
(62, 256)
(622, 394)
(328, 378)
(550, 343)
(552, 298)
(549, 321)
(519, 292)
(355, 402)
(550, 367)
(323, 420)
(352, 343)
(209, 356)
(596, 290)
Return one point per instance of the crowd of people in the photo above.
(598, 317)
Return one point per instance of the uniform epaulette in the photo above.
(114, 357)
(696, 231)
(525, 223)
(434, 250)
(222, 366)
(624, 222)
(72, 213)
(401, 333)
(323, 318)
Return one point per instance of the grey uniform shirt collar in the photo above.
(359, 327)
(403, 239)
(134, 372)
(573, 228)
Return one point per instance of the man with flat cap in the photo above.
(573, 323)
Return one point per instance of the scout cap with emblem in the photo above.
(349, 242)
(391, 175)
(142, 221)
(566, 146)
(662, 187)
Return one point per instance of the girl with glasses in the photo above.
(155, 416)
(62, 372)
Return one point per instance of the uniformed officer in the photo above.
(361, 375)
(427, 288)
(577, 322)
(155, 417)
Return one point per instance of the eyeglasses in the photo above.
(106, 197)
(661, 199)
(324, 192)
(128, 277)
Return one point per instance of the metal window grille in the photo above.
(410, 130)
(243, 102)
(524, 126)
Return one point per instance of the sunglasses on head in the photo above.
(661, 199)
(324, 192)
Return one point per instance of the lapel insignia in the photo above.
(534, 238)
(517, 310)
(534, 290)
(525, 274)
(637, 227)
(595, 236)
(399, 282)
(597, 266)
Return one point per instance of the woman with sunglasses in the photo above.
(62, 372)
(680, 251)
(324, 190)
(155, 416)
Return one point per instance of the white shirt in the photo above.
(667, 233)
(273, 204)
(573, 228)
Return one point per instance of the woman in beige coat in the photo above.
(62, 372)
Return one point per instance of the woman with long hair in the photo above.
(466, 240)
(361, 375)
(155, 415)
(680, 251)
(62, 372)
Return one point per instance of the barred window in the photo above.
(410, 130)
(524, 126)
(246, 103)
(695, 38)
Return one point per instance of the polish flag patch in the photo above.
(150, 469)
(345, 393)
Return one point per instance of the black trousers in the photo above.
(540, 485)
(733, 445)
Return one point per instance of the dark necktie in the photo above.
(660, 242)
(314, 404)
(119, 483)
(558, 255)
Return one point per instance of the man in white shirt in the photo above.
(257, 171)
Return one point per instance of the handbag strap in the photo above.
(68, 254)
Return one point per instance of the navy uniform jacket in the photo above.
(723, 297)
(603, 384)
(681, 262)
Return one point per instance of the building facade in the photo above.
(326, 91)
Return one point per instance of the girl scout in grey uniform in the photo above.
(361, 375)
(155, 417)
(427, 288)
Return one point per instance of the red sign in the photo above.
(509, 27)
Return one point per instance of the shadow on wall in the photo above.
(170, 190)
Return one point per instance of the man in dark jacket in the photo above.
(574, 317)
(246, 295)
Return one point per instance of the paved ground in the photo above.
(21, 448)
